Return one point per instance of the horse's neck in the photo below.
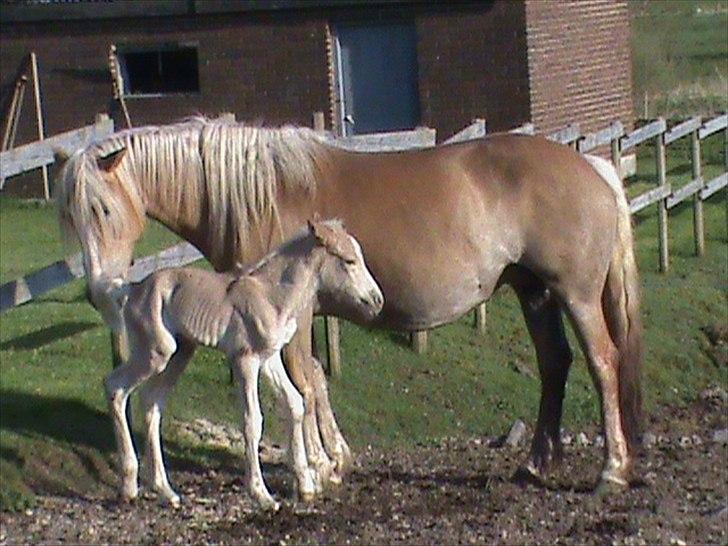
(292, 280)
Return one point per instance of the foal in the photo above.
(249, 314)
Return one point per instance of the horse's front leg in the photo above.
(287, 394)
(297, 358)
(246, 369)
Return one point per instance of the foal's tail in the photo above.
(621, 304)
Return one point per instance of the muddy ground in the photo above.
(457, 491)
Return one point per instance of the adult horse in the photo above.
(441, 229)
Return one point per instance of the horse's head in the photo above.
(346, 287)
(100, 208)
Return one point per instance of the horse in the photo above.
(441, 229)
(249, 314)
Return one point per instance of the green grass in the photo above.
(680, 57)
(54, 352)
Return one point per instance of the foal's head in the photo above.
(346, 287)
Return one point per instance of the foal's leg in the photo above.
(603, 358)
(545, 325)
(246, 369)
(119, 385)
(153, 398)
(275, 372)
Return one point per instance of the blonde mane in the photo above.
(228, 171)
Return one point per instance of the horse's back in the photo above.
(439, 226)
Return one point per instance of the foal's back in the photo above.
(184, 302)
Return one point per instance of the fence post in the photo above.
(39, 118)
(480, 315)
(419, 341)
(333, 331)
(698, 224)
(617, 157)
(662, 203)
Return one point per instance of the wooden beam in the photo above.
(682, 129)
(717, 183)
(40, 153)
(644, 133)
(698, 221)
(331, 324)
(662, 204)
(679, 195)
(567, 135)
(600, 138)
(419, 342)
(39, 118)
(473, 131)
(525, 129)
(480, 318)
(422, 137)
(713, 126)
(648, 198)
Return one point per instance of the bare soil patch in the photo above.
(455, 491)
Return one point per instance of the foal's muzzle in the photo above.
(375, 302)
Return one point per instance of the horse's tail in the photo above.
(621, 304)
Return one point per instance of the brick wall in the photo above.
(472, 64)
(262, 68)
(474, 60)
(579, 63)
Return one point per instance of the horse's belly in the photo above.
(419, 305)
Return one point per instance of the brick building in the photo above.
(372, 65)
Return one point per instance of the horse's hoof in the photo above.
(334, 479)
(610, 487)
(528, 474)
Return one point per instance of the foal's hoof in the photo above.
(307, 496)
(129, 493)
(269, 505)
(174, 501)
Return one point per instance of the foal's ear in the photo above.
(318, 230)
(108, 163)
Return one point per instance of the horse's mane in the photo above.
(228, 171)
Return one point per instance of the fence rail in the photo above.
(41, 153)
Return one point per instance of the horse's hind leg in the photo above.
(300, 366)
(545, 324)
(603, 358)
(153, 397)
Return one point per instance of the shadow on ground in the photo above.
(46, 336)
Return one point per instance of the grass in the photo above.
(54, 352)
(679, 57)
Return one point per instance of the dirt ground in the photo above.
(458, 491)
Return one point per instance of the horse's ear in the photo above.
(108, 163)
